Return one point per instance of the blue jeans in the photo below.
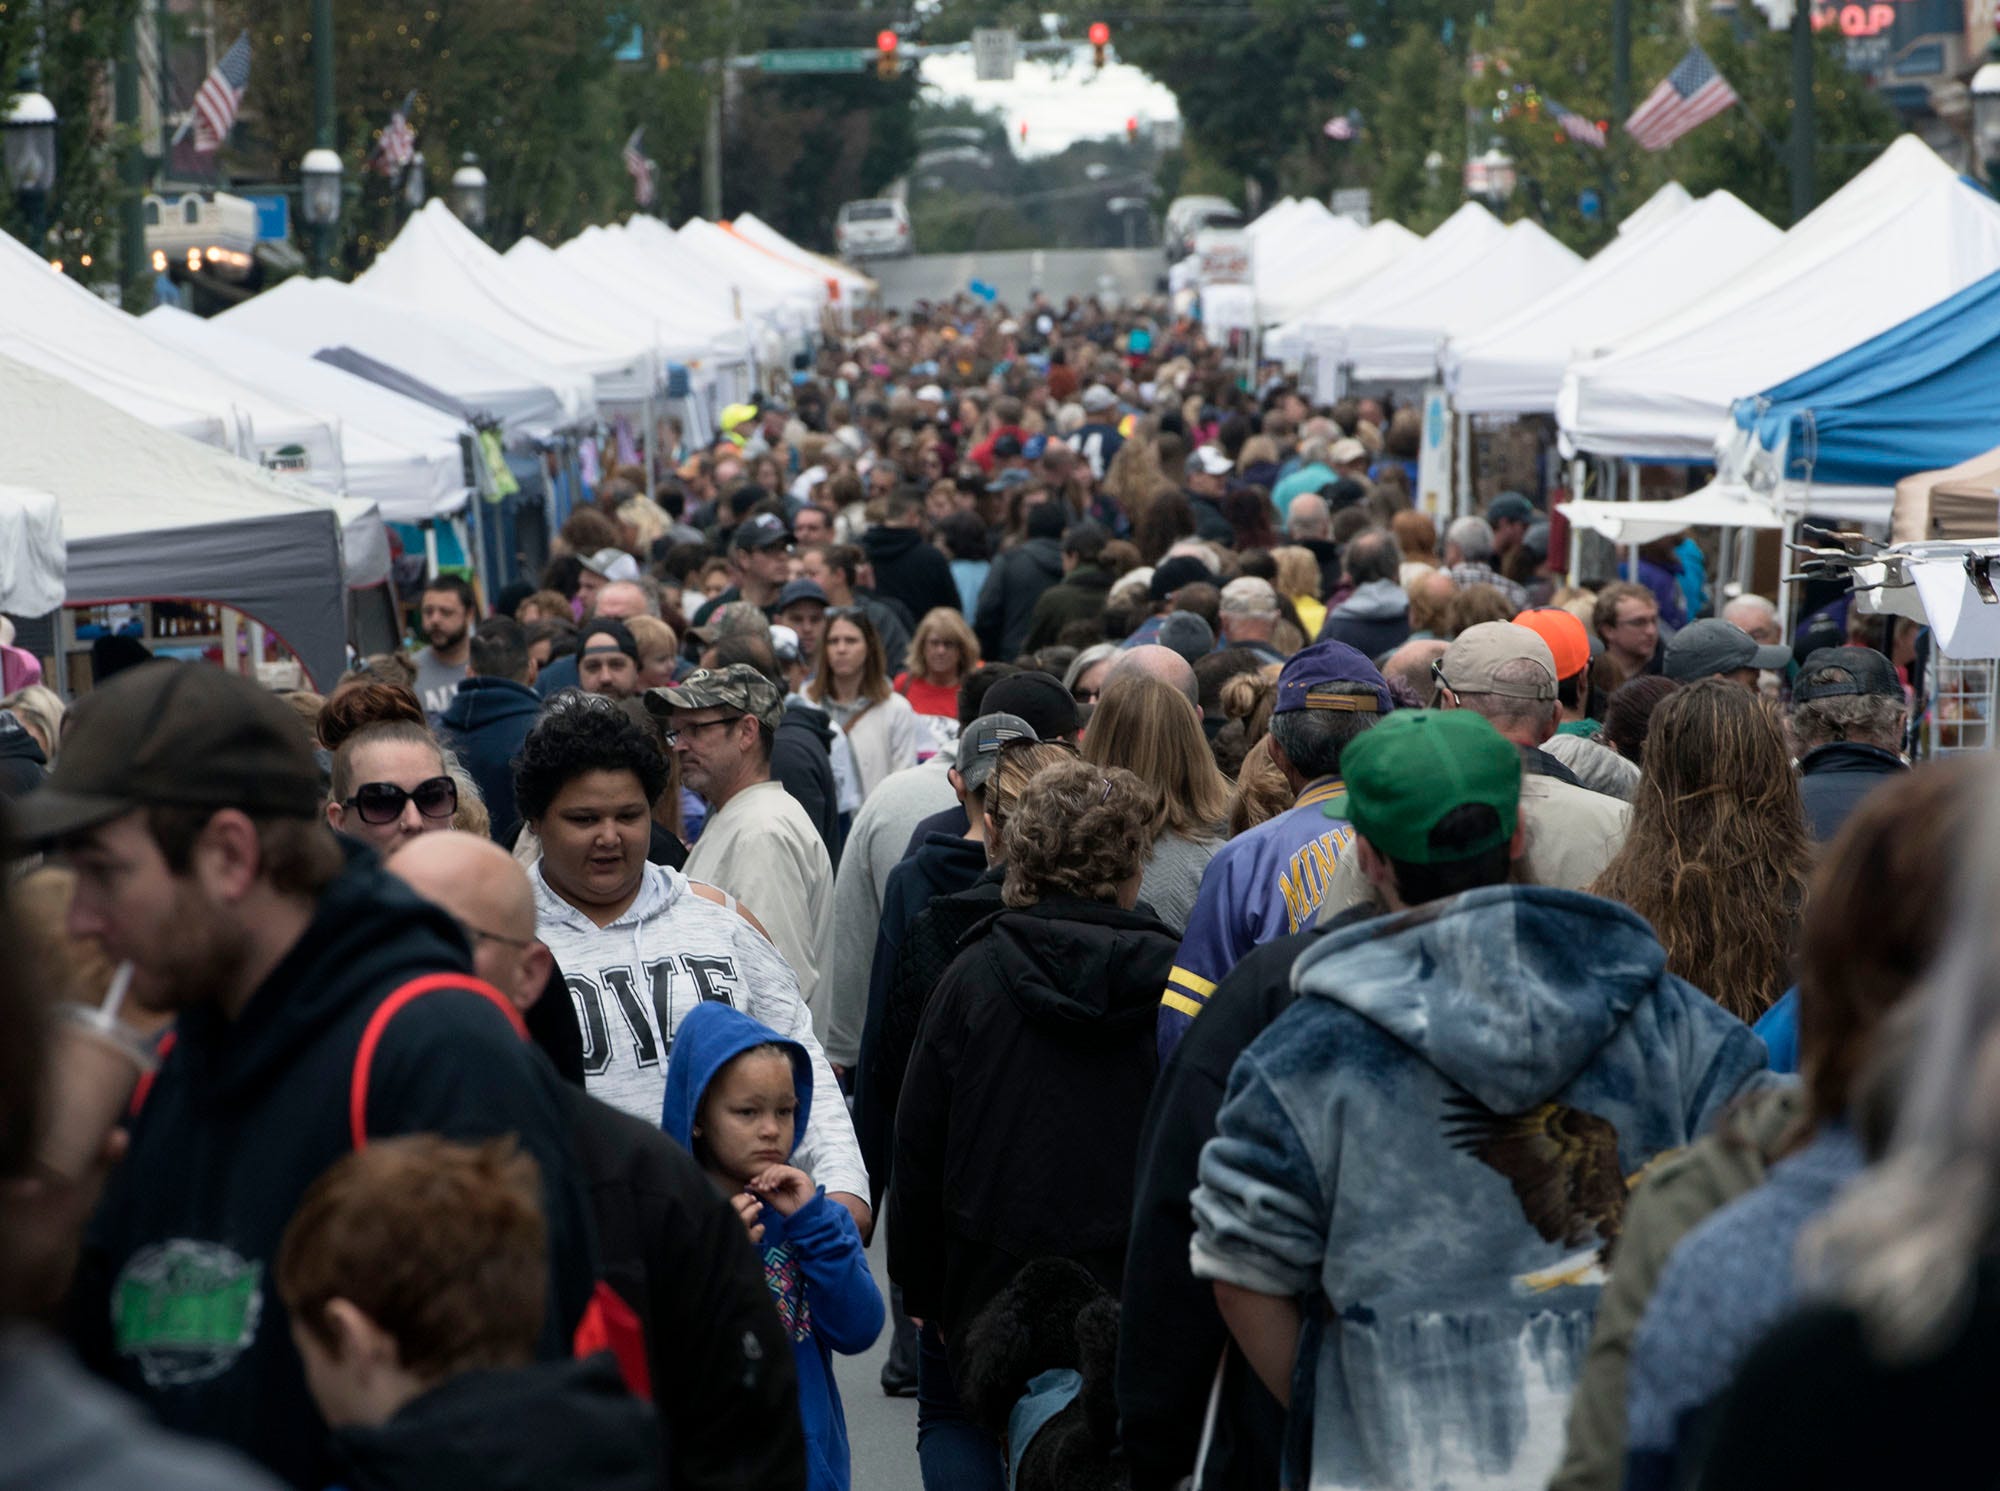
(954, 1453)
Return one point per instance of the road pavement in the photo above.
(881, 1431)
(1058, 273)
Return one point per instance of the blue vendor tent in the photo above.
(1921, 395)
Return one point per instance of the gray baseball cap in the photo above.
(1712, 646)
(980, 746)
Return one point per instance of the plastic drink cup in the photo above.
(95, 1063)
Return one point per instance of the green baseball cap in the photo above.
(1406, 773)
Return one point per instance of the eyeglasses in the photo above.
(1651, 618)
(673, 737)
(1438, 678)
(383, 802)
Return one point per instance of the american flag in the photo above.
(1693, 93)
(397, 144)
(1340, 127)
(220, 96)
(1578, 128)
(640, 168)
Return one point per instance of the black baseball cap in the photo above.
(764, 531)
(800, 590)
(620, 634)
(1037, 697)
(1171, 574)
(1868, 672)
(183, 735)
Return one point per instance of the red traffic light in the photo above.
(886, 43)
(1100, 34)
(1131, 129)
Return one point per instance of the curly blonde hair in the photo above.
(1078, 831)
(1717, 856)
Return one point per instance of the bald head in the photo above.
(622, 599)
(1162, 663)
(1308, 517)
(1411, 663)
(488, 893)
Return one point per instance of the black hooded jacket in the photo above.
(909, 570)
(802, 763)
(934, 897)
(487, 722)
(1019, 1121)
(22, 764)
(1007, 599)
(555, 1426)
(724, 1386)
(174, 1300)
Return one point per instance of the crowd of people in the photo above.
(1312, 997)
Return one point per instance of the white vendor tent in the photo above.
(792, 297)
(1289, 306)
(404, 456)
(438, 264)
(55, 324)
(854, 285)
(1641, 522)
(1397, 338)
(487, 373)
(1901, 236)
(1306, 240)
(32, 559)
(147, 513)
(681, 330)
(1669, 256)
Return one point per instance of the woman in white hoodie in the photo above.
(852, 685)
(640, 945)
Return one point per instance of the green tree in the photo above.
(1554, 49)
(73, 45)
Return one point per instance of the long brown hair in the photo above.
(1147, 726)
(1716, 857)
(874, 684)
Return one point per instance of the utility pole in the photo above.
(711, 150)
(1805, 125)
(135, 270)
(326, 238)
(1621, 61)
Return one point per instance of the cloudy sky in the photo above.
(1060, 105)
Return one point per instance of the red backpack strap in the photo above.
(609, 1324)
(371, 1036)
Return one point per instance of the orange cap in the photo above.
(1567, 639)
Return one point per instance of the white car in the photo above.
(878, 228)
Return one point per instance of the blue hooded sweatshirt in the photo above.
(1437, 1139)
(813, 1261)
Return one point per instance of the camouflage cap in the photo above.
(739, 687)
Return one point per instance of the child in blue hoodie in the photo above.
(738, 1095)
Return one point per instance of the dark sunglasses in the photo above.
(382, 802)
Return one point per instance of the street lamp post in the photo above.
(31, 154)
(319, 201)
(1985, 91)
(468, 193)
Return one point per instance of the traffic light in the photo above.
(1100, 38)
(886, 43)
(1024, 131)
(1132, 130)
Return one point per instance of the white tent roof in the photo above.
(1669, 201)
(682, 330)
(1714, 506)
(665, 273)
(149, 513)
(1457, 243)
(854, 285)
(1323, 280)
(1901, 236)
(438, 264)
(1663, 261)
(792, 296)
(486, 372)
(1307, 241)
(1395, 334)
(403, 455)
(55, 324)
(32, 560)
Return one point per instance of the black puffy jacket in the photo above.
(1018, 1126)
(909, 570)
(1007, 599)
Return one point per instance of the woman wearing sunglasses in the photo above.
(391, 783)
